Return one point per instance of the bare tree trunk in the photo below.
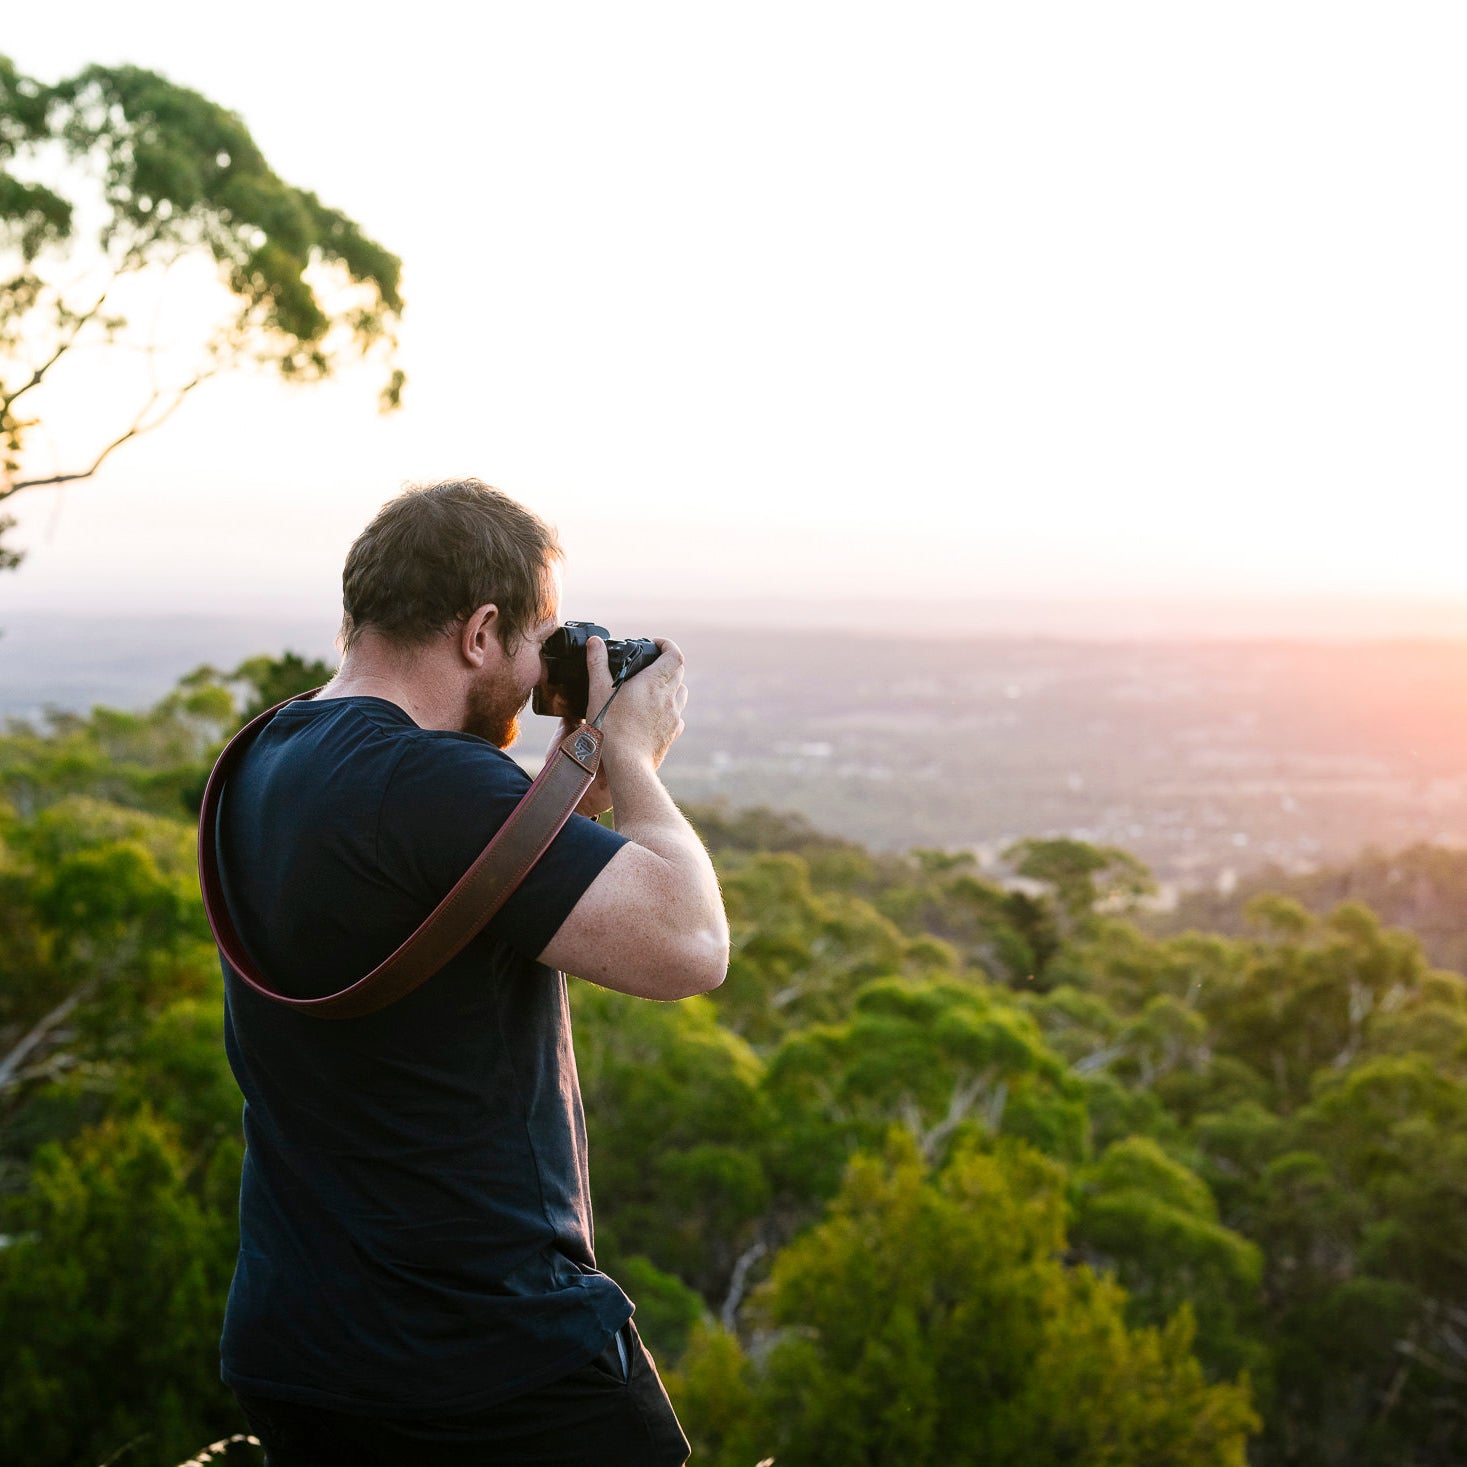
(11, 1063)
(728, 1315)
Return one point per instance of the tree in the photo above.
(941, 1059)
(272, 680)
(116, 180)
(799, 955)
(1307, 998)
(111, 1290)
(929, 1319)
(1143, 1215)
(677, 1127)
(1083, 877)
(157, 759)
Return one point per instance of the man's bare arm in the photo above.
(652, 923)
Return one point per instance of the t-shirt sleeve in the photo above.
(447, 797)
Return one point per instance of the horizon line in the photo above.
(1315, 616)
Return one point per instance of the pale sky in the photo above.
(833, 302)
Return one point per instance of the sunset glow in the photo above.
(1056, 305)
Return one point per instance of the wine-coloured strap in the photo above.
(476, 897)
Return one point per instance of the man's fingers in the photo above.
(647, 718)
(670, 663)
(598, 671)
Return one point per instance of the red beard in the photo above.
(493, 713)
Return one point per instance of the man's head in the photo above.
(428, 566)
(436, 553)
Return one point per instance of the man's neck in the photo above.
(411, 678)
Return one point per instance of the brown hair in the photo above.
(437, 553)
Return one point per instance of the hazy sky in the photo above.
(834, 301)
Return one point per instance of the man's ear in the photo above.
(480, 634)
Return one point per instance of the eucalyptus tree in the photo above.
(931, 1318)
(122, 193)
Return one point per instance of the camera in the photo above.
(564, 687)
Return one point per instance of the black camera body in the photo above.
(565, 685)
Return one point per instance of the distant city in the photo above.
(1205, 758)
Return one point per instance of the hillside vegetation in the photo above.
(944, 1173)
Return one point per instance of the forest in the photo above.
(945, 1172)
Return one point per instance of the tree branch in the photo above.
(728, 1315)
(965, 1095)
(204, 193)
(65, 345)
(12, 1062)
(1412, 1351)
(139, 426)
(1098, 1058)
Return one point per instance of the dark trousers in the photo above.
(596, 1415)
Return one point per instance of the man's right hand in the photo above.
(646, 716)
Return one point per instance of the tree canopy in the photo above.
(937, 1175)
(111, 181)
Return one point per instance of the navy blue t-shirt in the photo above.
(415, 1215)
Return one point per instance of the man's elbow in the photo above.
(703, 966)
(715, 970)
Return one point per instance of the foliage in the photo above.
(946, 1171)
(798, 955)
(156, 760)
(271, 680)
(1082, 877)
(1153, 1223)
(929, 1319)
(1423, 888)
(111, 1293)
(677, 1122)
(941, 1059)
(113, 179)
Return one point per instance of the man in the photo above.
(416, 1283)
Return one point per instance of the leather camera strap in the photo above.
(476, 897)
